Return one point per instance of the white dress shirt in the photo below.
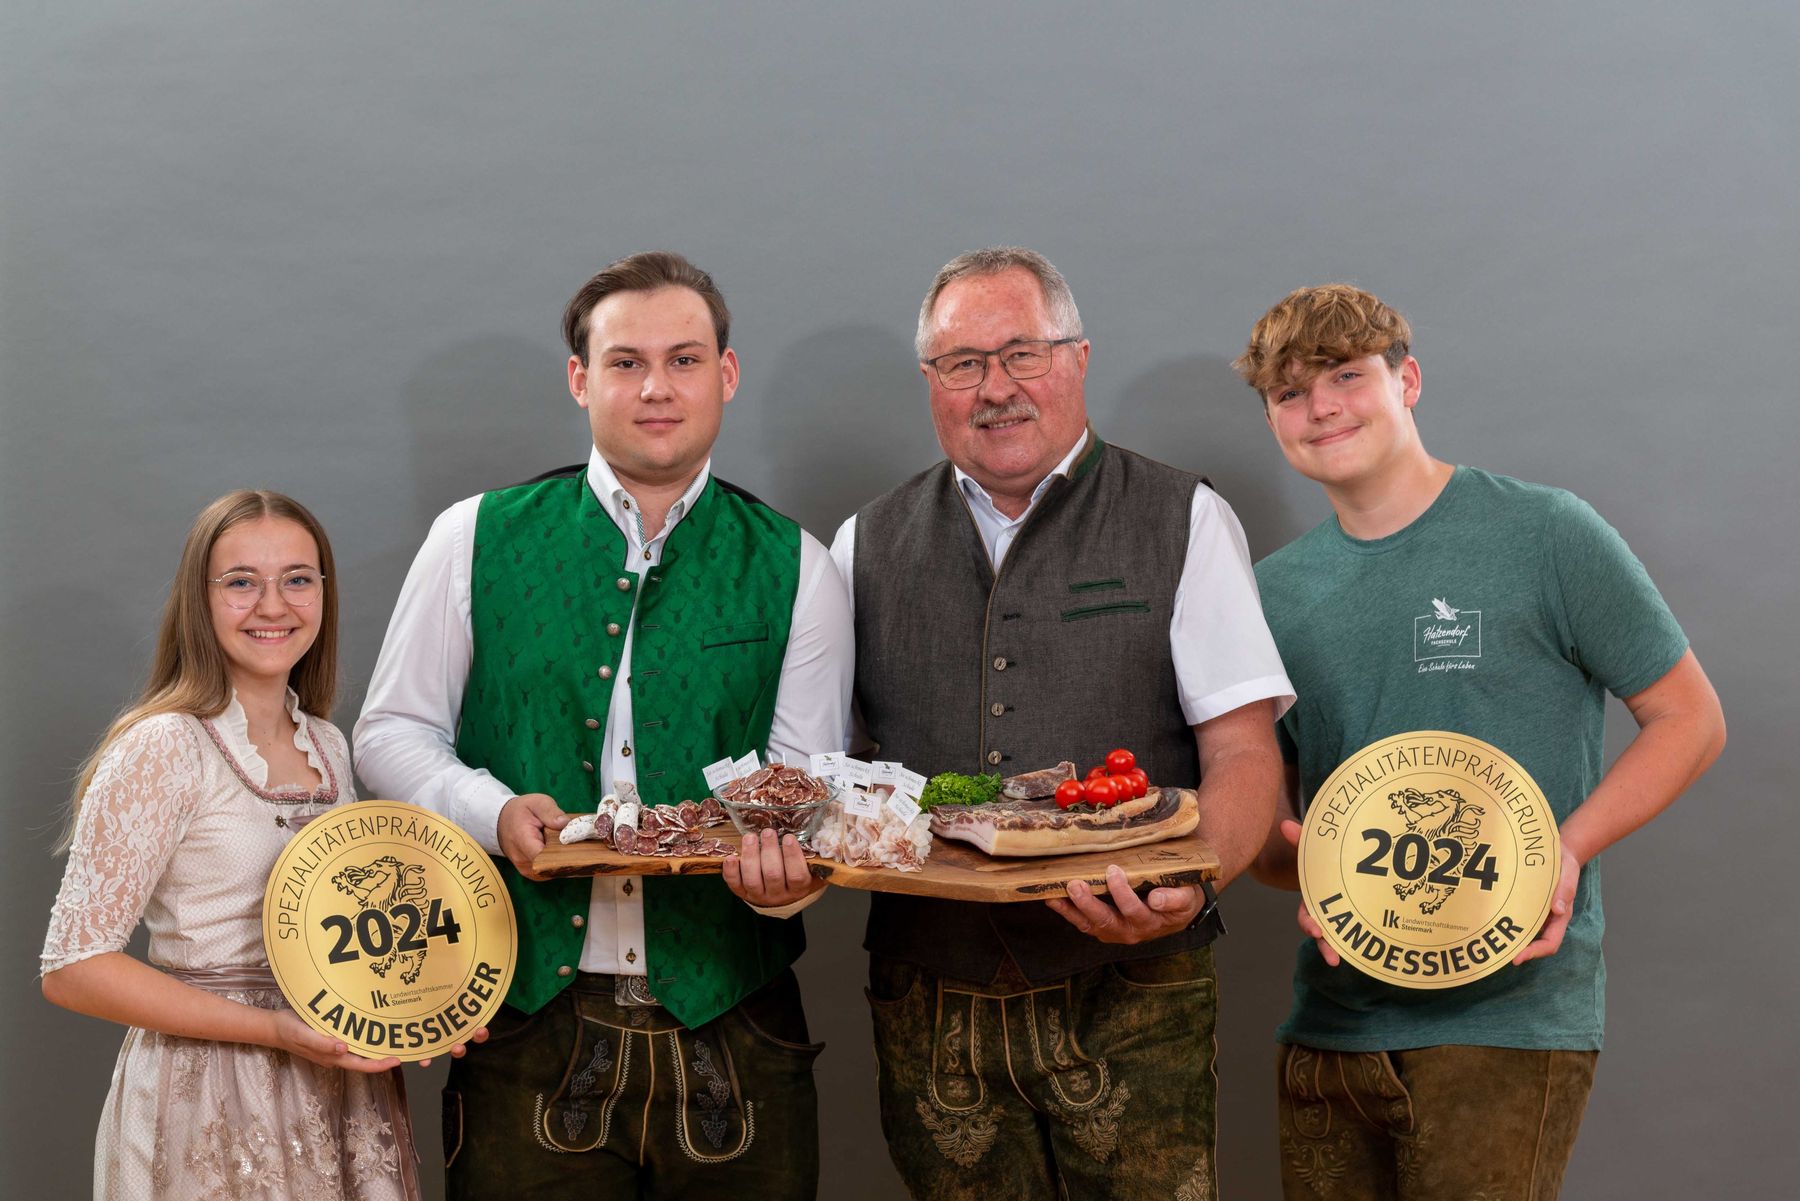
(1223, 653)
(406, 737)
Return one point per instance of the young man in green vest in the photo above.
(632, 619)
(1475, 1090)
(1077, 598)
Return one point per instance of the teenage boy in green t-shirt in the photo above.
(1477, 1090)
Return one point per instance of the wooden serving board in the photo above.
(956, 871)
(953, 871)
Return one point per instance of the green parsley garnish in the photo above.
(952, 788)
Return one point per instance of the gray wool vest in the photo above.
(1064, 654)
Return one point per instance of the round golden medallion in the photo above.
(1430, 859)
(388, 928)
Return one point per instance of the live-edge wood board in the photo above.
(954, 870)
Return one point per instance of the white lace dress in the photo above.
(179, 829)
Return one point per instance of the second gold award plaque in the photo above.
(389, 929)
(1430, 858)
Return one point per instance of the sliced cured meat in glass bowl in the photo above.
(779, 797)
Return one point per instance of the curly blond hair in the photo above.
(1312, 328)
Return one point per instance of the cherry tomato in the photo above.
(1123, 785)
(1095, 773)
(1101, 792)
(1120, 761)
(1140, 781)
(1069, 792)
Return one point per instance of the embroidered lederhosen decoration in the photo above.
(1089, 1101)
(962, 1120)
(714, 1123)
(578, 1115)
(1313, 1155)
(710, 1101)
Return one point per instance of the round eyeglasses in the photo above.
(243, 589)
(1026, 359)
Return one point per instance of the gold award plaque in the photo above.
(389, 929)
(1429, 858)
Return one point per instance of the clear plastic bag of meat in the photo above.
(884, 840)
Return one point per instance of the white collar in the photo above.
(622, 507)
(233, 726)
(974, 490)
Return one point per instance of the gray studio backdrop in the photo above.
(324, 248)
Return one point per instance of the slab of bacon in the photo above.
(1040, 827)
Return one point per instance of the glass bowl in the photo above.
(801, 819)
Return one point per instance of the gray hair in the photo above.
(995, 260)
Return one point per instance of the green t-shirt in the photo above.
(1552, 610)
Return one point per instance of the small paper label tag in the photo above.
(884, 771)
(746, 765)
(718, 774)
(858, 803)
(855, 773)
(913, 783)
(904, 806)
(829, 765)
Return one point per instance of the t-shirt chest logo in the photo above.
(1447, 638)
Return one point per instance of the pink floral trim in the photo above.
(326, 795)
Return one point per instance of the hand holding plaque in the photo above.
(389, 930)
(1429, 860)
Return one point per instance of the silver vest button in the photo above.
(592, 723)
(586, 766)
(623, 584)
(606, 673)
(993, 756)
(578, 921)
(612, 627)
(565, 970)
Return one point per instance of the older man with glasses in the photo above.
(1042, 596)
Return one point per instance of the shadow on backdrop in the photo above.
(844, 419)
(485, 412)
(481, 413)
(1196, 414)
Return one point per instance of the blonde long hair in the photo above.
(188, 674)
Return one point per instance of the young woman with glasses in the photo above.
(179, 815)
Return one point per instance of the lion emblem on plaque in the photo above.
(383, 884)
(1434, 815)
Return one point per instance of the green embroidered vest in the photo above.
(548, 591)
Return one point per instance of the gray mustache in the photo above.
(995, 414)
